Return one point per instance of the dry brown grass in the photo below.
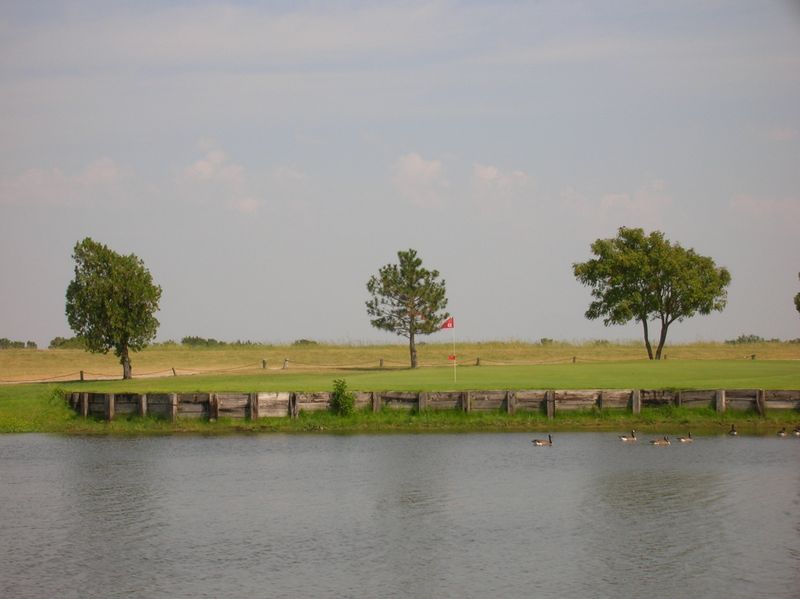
(30, 365)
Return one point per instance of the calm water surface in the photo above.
(472, 515)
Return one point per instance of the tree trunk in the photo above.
(412, 348)
(125, 360)
(647, 339)
(662, 340)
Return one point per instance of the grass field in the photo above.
(40, 407)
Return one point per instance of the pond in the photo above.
(460, 515)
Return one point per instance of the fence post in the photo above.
(381, 364)
(294, 411)
(720, 401)
(761, 404)
(678, 399)
(85, 405)
(466, 401)
(143, 405)
(636, 401)
(173, 404)
(81, 375)
(599, 401)
(550, 403)
(422, 401)
(263, 364)
(213, 406)
(285, 363)
(174, 373)
(109, 406)
(252, 398)
(478, 361)
(511, 401)
(376, 401)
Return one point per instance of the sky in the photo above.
(265, 159)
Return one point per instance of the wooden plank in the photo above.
(657, 397)
(313, 402)
(444, 400)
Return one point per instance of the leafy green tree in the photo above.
(111, 302)
(645, 277)
(797, 298)
(407, 299)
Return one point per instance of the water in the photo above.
(472, 515)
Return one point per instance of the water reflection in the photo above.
(401, 515)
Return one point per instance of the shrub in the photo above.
(343, 402)
(304, 342)
(67, 343)
(742, 339)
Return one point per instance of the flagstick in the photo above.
(455, 358)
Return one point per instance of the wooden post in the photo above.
(478, 361)
(381, 364)
(174, 373)
(599, 402)
(285, 363)
(636, 401)
(109, 406)
(377, 402)
(81, 375)
(511, 401)
(263, 364)
(466, 401)
(720, 401)
(85, 405)
(752, 356)
(213, 406)
(761, 405)
(678, 399)
(550, 401)
(294, 411)
(574, 359)
(173, 404)
(422, 401)
(252, 399)
(143, 405)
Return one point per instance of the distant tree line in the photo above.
(193, 341)
(9, 344)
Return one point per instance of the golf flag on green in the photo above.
(450, 323)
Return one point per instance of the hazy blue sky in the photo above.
(265, 161)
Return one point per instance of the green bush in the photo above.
(343, 402)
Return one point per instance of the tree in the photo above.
(797, 298)
(645, 277)
(407, 300)
(111, 302)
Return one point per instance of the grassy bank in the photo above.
(40, 407)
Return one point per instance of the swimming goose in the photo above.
(663, 441)
(733, 432)
(628, 438)
(687, 438)
(782, 432)
(796, 431)
(543, 442)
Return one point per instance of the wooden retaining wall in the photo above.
(253, 406)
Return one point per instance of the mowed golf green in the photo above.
(39, 407)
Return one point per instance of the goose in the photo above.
(687, 438)
(663, 441)
(796, 431)
(543, 442)
(733, 432)
(782, 432)
(628, 438)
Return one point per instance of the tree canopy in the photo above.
(111, 302)
(407, 299)
(797, 298)
(645, 277)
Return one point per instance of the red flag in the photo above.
(451, 358)
(449, 323)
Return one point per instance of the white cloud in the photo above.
(420, 180)
(214, 167)
(98, 181)
(646, 207)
